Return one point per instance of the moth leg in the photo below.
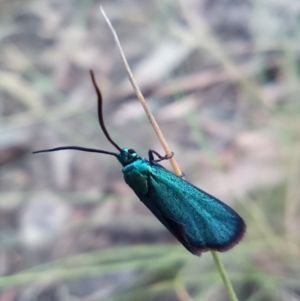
(182, 175)
(151, 153)
(161, 158)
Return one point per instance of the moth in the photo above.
(197, 219)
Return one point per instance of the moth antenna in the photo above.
(79, 148)
(100, 115)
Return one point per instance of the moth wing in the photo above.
(173, 226)
(198, 220)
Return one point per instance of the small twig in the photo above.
(142, 99)
(164, 144)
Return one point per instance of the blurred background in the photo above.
(221, 78)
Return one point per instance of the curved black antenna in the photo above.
(84, 149)
(100, 115)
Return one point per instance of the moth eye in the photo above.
(131, 151)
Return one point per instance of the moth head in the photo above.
(127, 156)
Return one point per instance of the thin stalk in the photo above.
(165, 146)
(142, 99)
(224, 276)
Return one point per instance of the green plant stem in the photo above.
(224, 276)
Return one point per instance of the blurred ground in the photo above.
(221, 77)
